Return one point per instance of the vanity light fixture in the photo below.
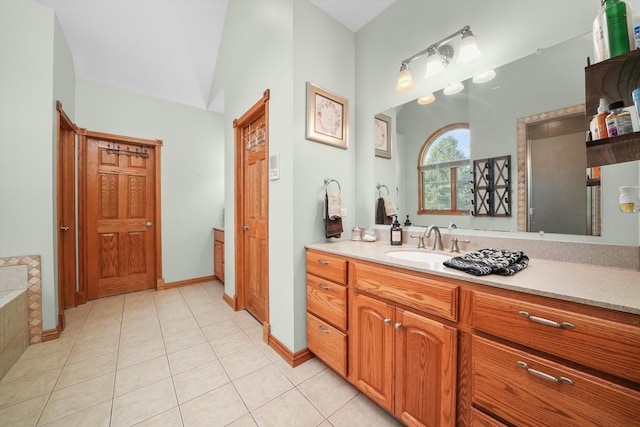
(439, 56)
(484, 77)
(426, 99)
(453, 88)
(405, 81)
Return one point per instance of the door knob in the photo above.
(245, 227)
(147, 224)
(64, 228)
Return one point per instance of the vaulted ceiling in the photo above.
(166, 49)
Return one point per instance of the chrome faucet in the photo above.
(437, 240)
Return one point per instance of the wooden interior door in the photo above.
(120, 215)
(252, 211)
(66, 212)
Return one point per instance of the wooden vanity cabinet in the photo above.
(536, 362)
(327, 309)
(218, 254)
(403, 360)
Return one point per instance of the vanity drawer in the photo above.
(522, 389)
(328, 343)
(480, 419)
(327, 300)
(423, 292)
(328, 266)
(602, 344)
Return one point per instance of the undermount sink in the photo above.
(419, 256)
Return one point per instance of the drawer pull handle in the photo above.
(387, 321)
(398, 325)
(324, 330)
(546, 322)
(545, 376)
(325, 287)
(324, 261)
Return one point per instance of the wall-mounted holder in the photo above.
(141, 152)
(629, 199)
(492, 187)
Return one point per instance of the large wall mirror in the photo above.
(508, 116)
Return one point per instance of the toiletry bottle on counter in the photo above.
(396, 232)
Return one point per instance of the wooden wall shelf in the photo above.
(607, 151)
(613, 79)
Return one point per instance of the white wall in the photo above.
(35, 70)
(192, 176)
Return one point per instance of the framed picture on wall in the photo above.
(382, 135)
(327, 117)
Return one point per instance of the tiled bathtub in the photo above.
(18, 275)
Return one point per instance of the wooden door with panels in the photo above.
(252, 211)
(66, 212)
(119, 214)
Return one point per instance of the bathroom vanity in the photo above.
(556, 344)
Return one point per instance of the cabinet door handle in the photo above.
(398, 325)
(324, 261)
(387, 321)
(547, 322)
(324, 330)
(325, 287)
(543, 375)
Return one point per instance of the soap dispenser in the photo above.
(396, 232)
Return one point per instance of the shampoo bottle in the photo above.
(600, 36)
(396, 232)
(619, 25)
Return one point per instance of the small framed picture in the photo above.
(382, 136)
(327, 117)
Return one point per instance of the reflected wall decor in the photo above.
(382, 135)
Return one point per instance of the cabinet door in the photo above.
(372, 345)
(217, 260)
(426, 371)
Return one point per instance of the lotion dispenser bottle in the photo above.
(396, 232)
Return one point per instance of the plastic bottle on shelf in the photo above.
(619, 19)
(603, 112)
(618, 120)
(600, 36)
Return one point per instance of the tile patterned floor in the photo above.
(180, 357)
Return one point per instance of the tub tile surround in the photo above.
(20, 308)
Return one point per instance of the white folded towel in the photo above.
(389, 209)
(334, 207)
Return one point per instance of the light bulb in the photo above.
(484, 77)
(405, 80)
(453, 88)
(434, 66)
(426, 99)
(468, 48)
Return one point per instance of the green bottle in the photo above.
(616, 14)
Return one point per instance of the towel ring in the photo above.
(379, 187)
(327, 181)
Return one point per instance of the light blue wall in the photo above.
(297, 43)
(35, 70)
(192, 162)
(505, 32)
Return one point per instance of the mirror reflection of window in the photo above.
(444, 171)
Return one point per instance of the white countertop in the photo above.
(607, 287)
